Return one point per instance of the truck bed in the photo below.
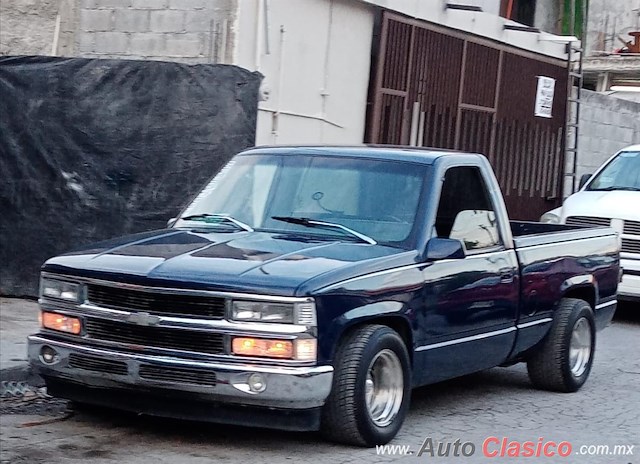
(528, 234)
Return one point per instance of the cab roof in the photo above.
(383, 152)
(631, 148)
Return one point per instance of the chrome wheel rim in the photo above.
(580, 347)
(384, 387)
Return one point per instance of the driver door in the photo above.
(470, 305)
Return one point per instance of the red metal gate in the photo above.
(436, 87)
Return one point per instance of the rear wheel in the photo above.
(371, 388)
(563, 361)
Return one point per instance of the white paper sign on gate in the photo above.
(544, 96)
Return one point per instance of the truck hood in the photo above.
(619, 204)
(255, 262)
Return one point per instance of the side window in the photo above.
(465, 211)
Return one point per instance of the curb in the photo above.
(22, 373)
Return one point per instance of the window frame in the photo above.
(500, 246)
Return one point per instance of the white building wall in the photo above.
(315, 58)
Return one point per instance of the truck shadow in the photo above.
(628, 312)
(471, 393)
(434, 400)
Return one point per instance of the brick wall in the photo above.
(190, 31)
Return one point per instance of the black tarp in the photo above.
(92, 149)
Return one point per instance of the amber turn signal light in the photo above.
(60, 322)
(262, 347)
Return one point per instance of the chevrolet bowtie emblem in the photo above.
(145, 319)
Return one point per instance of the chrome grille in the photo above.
(91, 363)
(178, 375)
(630, 246)
(154, 337)
(632, 227)
(158, 303)
(588, 221)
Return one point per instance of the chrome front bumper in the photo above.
(293, 388)
(629, 288)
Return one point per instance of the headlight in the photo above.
(60, 289)
(260, 311)
(551, 217)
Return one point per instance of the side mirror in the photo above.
(583, 180)
(444, 248)
(171, 222)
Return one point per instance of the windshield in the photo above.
(378, 199)
(622, 173)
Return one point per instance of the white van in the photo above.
(611, 196)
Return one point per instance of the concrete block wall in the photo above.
(190, 31)
(27, 27)
(607, 124)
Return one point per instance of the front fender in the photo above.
(391, 313)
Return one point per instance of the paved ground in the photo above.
(18, 318)
(499, 402)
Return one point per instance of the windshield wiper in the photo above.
(218, 218)
(614, 187)
(327, 225)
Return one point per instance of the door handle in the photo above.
(506, 275)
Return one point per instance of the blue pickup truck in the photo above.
(311, 288)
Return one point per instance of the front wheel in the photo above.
(371, 388)
(563, 361)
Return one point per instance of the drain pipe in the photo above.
(325, 92)
(275, 117)
(259, 32)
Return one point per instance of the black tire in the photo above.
(550, 366)
(345, 415)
